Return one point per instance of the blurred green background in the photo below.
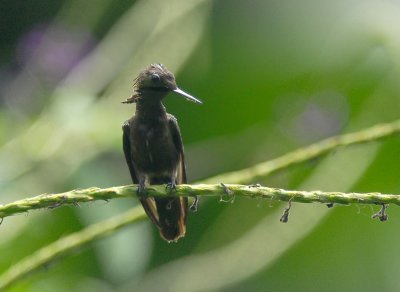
(273, 76)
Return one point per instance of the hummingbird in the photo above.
(154, 151)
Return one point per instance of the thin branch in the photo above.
(199, 190)
(67, 244)
(312, 151)
(71, 197)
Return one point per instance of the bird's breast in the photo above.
(154, 150)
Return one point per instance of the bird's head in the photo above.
(156, 81)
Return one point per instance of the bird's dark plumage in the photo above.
(154, 150)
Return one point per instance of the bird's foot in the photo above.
(171, 186)
(141, 190)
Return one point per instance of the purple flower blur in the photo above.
(53, 51)
(309, 119)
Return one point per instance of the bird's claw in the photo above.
(141, 190)
(171, 186)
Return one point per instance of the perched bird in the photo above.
(154, 151)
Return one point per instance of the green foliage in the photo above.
(273, 76)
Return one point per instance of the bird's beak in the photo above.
(187, 96)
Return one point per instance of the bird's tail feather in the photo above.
(168, 214)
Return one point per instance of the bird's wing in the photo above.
(127, 150)
(149, 204)
(181, 176)
(177, 138)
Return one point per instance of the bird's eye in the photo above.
(155, 77)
